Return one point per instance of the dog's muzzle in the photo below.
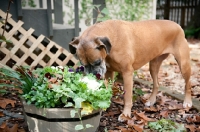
(101, 70)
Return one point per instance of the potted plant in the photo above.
(60, 98)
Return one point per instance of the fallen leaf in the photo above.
(4, 102)
(189, 119)
(140, 122)
(53, 80)
(198, 129)
(130, 123)
(198, 118)
(151, 109)
(3, 126)
(163, 100)
(191, 127)
(138, 128)
(174, 106)
(195, 59)
(125, 118)
(144, 117)
(13, 129)
(112, 113)
(181, 112)
(1, 113)
(21, 130)
(113, 131)
(164, 113)
(118, 101)
(19, 90)
(122, 129)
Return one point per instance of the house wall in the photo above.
(152, 11)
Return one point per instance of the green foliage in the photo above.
(137, 93)
(57, 87)
(86, 11)
(3, 39)
(166, 125)
(192, 32)
(21, 78)
(69, 14)
(31, 3)
(115, 9)
(102, 15)
(79, 127)
(128, 9)
(51, 87)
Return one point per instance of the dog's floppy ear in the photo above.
(73, 45)
(103, 42)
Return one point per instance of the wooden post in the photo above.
(58, 11)
(19, 9)
(76, 10)
(182, 16)
(49, 16)
(166, 9)
(41, 3)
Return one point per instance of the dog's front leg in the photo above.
(128, 86)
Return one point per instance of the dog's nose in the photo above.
(95, 72)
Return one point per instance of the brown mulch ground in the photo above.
(165, 107)
(12, 119)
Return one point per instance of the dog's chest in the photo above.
(112, 65)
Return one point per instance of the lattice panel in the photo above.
(26, 49)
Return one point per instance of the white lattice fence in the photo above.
(26, 49)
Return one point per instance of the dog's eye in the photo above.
(97, 63)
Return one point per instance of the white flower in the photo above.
(91, 83)
(61, 67)
(53, 67)
(57, 67)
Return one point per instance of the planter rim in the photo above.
(70, 119)
(54, 113)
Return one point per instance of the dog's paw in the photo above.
(123, 118)
(149, 103)
(187, 104)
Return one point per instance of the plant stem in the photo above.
(98, 12)
(80, 118)
(6, 19)
(7, 16)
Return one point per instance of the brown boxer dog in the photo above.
(123, 46)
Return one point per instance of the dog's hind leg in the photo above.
(182, 57)
(154, 67)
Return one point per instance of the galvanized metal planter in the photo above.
(57, 119)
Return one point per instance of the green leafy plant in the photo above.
(166, 125)
(19, 78)
(58, 87)
(137, 93)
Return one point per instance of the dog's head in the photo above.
(91, 53)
